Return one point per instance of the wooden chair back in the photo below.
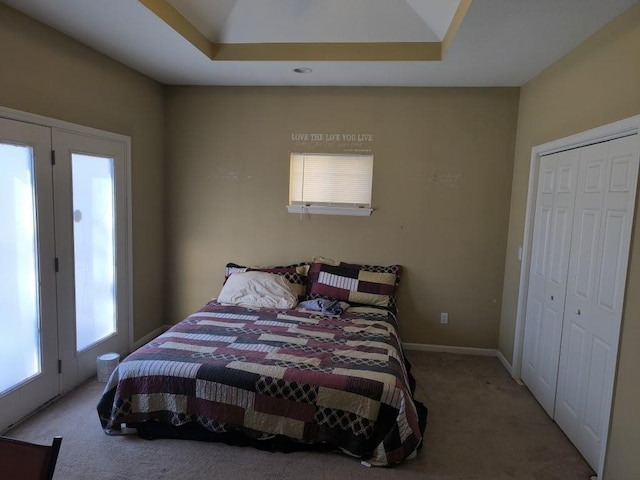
(21, 460)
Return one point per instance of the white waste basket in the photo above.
(106, 364)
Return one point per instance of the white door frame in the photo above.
(622, 128)
(53, 123)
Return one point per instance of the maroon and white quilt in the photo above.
(339, 381)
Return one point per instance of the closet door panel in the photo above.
(538, 273)
(577, 343)
(600, 360)
(613, 261)
(535, 331)
(547, 281)
(595, 292)
(586, 243)
(531, 340)
(572, 396)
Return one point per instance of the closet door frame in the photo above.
(622, 128)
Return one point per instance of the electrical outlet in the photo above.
(444, 317)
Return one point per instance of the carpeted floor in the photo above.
(482, 425)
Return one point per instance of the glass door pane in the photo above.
(94, 248)
(20, 319)
(91, 220)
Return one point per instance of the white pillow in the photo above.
(258, 289)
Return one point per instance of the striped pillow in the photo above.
(360, 284)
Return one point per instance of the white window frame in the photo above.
(327, 203)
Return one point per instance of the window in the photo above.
(330, 184)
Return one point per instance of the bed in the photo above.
(324, 369)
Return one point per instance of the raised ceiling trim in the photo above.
(461, 11)
(172, 17)
(349, 51)
(396, 51)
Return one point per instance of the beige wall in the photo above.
(444, 173)
(442, 176)
(47, 73)
(596, 84)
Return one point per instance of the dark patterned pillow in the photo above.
(296, 274)
(360, 284)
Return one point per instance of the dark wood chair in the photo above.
(20, 460)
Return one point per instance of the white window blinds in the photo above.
(334, 184)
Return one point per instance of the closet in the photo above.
(582, 226)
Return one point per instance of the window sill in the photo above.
(317, 210)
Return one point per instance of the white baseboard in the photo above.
(485, 352)
(150, 336)
(507, 366)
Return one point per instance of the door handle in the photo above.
(578, 312)
(551, 297)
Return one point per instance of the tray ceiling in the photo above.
(336, 42)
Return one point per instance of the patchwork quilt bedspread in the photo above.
(315, 379)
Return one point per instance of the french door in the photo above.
(28, 323)
(64, 285)
(90, 198)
